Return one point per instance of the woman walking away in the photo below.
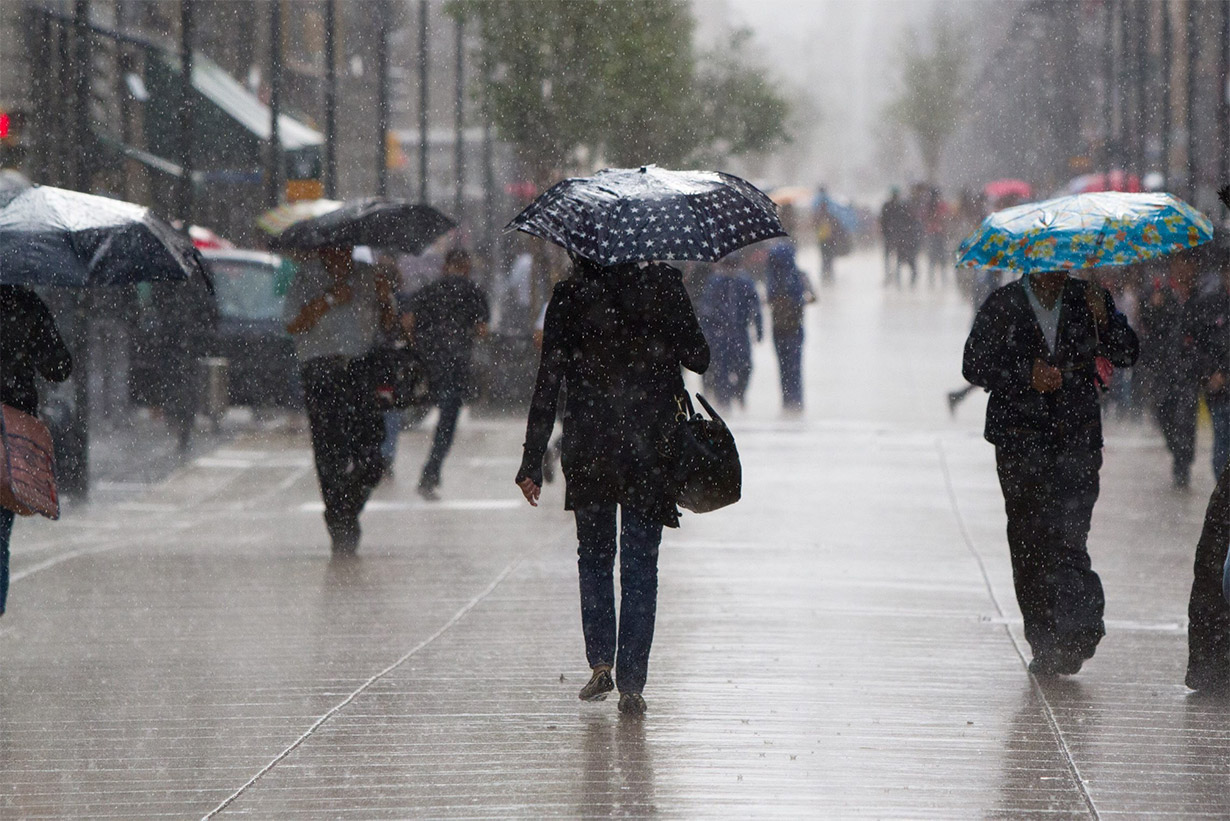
(616, 337)
(30, 345)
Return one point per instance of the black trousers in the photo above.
(1176, 415)
(1049, 494)
(1208, 614)
(347, 432)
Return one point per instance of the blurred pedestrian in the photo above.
(789, 293)
(935, 221)
(730, 307)
(892, 223)
(1212, 340)
(444, 319)
(1170, 317)
(831, 236)
(910, 234)
(617, 338)
(1034, 346)
(30, 347)
(333, 313)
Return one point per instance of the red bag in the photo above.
(27, 465)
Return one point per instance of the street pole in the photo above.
(382, 101)
(331, 99)
(1109, 85)
(1140, 48)
(184, 202)
(75, 458)
(1223, 100)
(459, 122)
(1192, 47)
(273, 167)
(423, 101)
(1167, 65)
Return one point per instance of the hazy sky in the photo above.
(838, 58)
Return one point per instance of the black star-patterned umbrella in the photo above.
(622, 215)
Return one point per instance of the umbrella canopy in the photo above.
(52, 236)
(1084, 231)
(376, 221)
(207, 240)
(1002, 189)
(622, 215)
(1117, 180)
(844, 214)
(276, 220)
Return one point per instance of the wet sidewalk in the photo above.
(842, 643)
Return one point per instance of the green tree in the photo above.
(574, 83)
(930, 101)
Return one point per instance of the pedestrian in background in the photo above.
(892, 222)
(333, 313)
(1170, 319)
(789, 293)
(444, 319)
(30, 346)
(1213, 354)
(831, 236)
(1034, 345)
(730, 308)
(616, 337)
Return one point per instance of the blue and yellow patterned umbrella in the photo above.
(1084, 231)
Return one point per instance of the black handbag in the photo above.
(396, 375)
(705, 470)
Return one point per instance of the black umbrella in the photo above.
(52, 236)
(377, 221)
(624, 215)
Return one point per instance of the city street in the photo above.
(844, 642)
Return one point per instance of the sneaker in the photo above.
(429, 493)
(631, 704)
(599, 685)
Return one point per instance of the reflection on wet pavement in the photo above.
(842, 643)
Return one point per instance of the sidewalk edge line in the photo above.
(456, 617)
(1052, 722)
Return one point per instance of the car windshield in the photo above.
(249, 289)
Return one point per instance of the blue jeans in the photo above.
(639, 538)
(392, 429)
(450, 409)
(6, 533)
(1220, 411)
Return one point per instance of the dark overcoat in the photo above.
(616, 338)
(30, 345)
(999, 356)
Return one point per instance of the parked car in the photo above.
(249, 334)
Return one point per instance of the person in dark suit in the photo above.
(1208, 614)
(1035, 345)
(616, 337)
(30, 346)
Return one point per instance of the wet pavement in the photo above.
(842, 643)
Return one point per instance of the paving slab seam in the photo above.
(320, 722)
(1047, 711)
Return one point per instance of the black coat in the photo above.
(1000, 353)
(616, 338)
(30, 345)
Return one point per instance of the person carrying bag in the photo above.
(30, 346)
(617, 337)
